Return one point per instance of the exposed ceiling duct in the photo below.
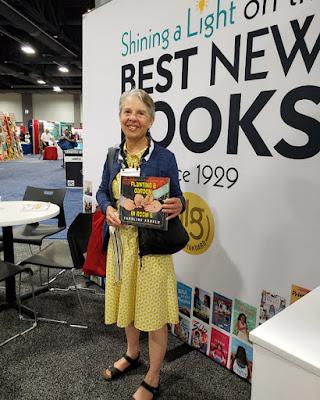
(5, 70)
(23, 23)
(54, 29)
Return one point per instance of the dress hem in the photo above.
(140, 329)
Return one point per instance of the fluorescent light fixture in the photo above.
(57, 89)
(41, 82)
(63, 69)
(28, 49)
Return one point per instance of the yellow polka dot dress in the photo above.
(146, 294)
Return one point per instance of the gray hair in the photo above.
(143, 96)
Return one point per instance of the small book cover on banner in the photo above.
(35, 206)
(141, 201)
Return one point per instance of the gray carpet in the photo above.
(58, 362)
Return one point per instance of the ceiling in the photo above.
(54, 29)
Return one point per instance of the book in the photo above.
(184, 298)
(297, 292)
(182, 329)
(270, 305)
(219, 347)
(199, 336)
(141, 200)
(244, 319)
(35, 206)
(221, 311)
(241, 359)
(201, 304)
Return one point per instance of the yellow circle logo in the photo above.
(198, 221)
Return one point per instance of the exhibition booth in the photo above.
(235, 88)
(16, 140)
(10, 145)
(56, 129)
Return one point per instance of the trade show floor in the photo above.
(16, 175)
(59, 362)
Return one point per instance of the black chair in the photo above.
(66, 255)
(8, 270)
(36, 232)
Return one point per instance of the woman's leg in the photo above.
(158, 341)
(133, 345)
(133, 348)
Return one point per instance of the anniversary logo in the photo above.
(199, 222)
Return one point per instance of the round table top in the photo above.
(26, 212)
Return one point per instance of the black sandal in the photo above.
(117, 373)
(155, 391)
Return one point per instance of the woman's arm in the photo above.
(103, 195)
(104, 200)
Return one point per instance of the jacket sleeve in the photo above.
(103, 195)
(173, 174)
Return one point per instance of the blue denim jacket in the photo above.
(159, 162)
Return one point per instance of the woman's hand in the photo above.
(172, 207)
(112, 217)
(128, 204)
(153, 207)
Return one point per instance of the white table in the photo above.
(11, 214)
(286, 353)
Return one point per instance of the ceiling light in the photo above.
(28, 49)
(63, 69)
(41, 82)
(57, 89)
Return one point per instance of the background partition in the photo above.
(237, 99)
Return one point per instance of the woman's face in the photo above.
(134, 118)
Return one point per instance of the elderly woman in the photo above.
(143, 296)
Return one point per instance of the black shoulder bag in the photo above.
(156, 241)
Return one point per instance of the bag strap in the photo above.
(110, 159)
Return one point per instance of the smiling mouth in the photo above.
(132, 127)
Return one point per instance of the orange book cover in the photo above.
(297, 292)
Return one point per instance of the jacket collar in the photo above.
(146, 157)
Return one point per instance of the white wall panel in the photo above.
(11, 103)
(53, 107)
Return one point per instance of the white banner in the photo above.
(236, 86)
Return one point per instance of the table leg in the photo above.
(8, 255)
